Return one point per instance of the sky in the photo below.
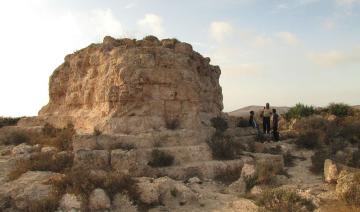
(276, 51)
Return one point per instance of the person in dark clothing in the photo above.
(275, 120)
(252, 121)
(266, 114)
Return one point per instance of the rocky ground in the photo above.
(205, 191)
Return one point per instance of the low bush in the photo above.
(223, 147)
(97, 132)
(243, 123)
(318, 159)
(299, 111)
(339, 109)
(274, 150)
(16, 138)
(8, 121)
(310, 139)
(172, 124)
(227, 175)
(219, 123)
(289, 159)
(160, 159)
(348, 188)
(265, 172)
(355, 159)
(250, 182)
(284, 200)
(79, 182)
(42, 162)
(261, 137)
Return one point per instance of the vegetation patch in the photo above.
(16, 138)
(160, 159)
(299, 111)
(172, 124)
(227, 175)
(339, 109)
(8, 121)
(42, 162)
(223, 147)
(219, 123)
(310, 139)
(284, 200)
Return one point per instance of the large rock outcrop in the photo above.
(134, 86)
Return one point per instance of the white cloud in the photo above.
(328, 24)
(262, 41)
(220, 30)
(347, 3)
(130, 5)
(151, 24)
(288, 37)
(334, 58)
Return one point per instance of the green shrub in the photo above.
(223, 147)
(299, 111)
(16, 138)
(310, 139)
(339, 109)
(160, 159)
(219, 123)
(284, 200)
(8, 121)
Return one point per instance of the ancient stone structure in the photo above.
(134, 86)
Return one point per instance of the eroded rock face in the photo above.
(133, 86)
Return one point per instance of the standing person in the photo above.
(252, 121)
(266, 113)
(275, 117)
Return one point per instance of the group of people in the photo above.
(266, 114)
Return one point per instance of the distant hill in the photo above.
(357, 107)
(244, 112)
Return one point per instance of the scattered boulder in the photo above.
(348, 187)
(238, 187)
(194, 180)
(164, 190)
(331, 172)
(22, 149)
(99, 200)
(241, 205)
(121, 202)
(70, 202)
(248, 171)
(30, 188)
(49, 149)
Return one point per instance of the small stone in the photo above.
(70, 202)
(248, 171)
(194, 180)
(21, 149)
(238, 186)
(49, 149)
(331, 172)
(99, 200)
(122, 202)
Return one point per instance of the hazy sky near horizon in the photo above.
(276, 51)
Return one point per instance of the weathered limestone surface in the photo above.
(134, 86)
